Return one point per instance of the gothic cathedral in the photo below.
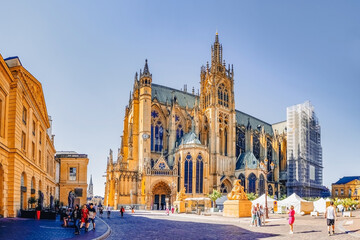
(173, 139)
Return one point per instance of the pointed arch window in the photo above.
(240, 142)
(261, 185)
(225, 142)
(157, 132)
(188, 169)
(269, 157)
(199, 174)
(223, 96)
(179, 128)
(252, 183)
(256, 145)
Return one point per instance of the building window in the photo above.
(199, 174)
(349, 192)
(252, 183)
(188, 173)
(72, 175)
(256, 145)
(269, 158)
(336, 192)
(179, 128)
(40, 136)
(225, 142)
(223, 96)
(24, 115)
(23, 141)
(40, 160)
(157, 132)
(342, 192)
(33, 128)
(261, 185)
(240, 143)
(33, 150)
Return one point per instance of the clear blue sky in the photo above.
(85, 53)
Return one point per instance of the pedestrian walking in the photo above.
(172, 209)
(108, 211)
(84, 217)
(101, 211)
(330, 215)
(253, 216)
(291, 213)
(76, 216)
(167, 211)
(122, 210)
(92, 215)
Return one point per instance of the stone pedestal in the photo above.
(180, 205)
(237, 208)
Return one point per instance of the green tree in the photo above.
(251, 196)
(214, 196)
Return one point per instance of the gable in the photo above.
(161, 164)
(35, 89)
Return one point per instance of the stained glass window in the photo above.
(223, 96)
(179, 128)
(256, 145)
(157, 132)
(188, 174)
(225, 142)
(242, 178)
(199, 174)
(252, 183)
(240, 142)
(269, 157)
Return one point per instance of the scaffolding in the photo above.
(304, 150)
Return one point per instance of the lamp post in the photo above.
(263, 167)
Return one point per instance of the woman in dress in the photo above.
(291, 213)
(84, 217)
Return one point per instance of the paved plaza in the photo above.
(31, 229)
(156, 225)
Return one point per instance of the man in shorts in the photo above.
(330, 215)
(92, 214)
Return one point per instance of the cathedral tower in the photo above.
(90, 190)
(144, 114)
(217, 103)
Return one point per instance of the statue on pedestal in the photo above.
(180, 196)
(237, 193)
(71, 199)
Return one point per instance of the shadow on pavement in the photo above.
(140, 227)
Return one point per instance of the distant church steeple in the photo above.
(90, 190)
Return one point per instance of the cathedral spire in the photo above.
(216, 52)
(91, 183)
(146, 68)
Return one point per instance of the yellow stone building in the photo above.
(27, 163)
(73, 176)
(347, 187)
(174, 139)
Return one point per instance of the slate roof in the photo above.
(163, 94)
(247, 158)
(243, 118)
(345, 180)
(190, 138)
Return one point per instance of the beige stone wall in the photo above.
(18, 131)
(354, 186)
(66, 184)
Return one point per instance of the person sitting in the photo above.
(66, 217)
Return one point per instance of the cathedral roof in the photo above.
(244, 118)
(247, 159)
(164, 94)
(190, 138)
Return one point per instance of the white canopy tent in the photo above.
(300, 205)
(261, 201)
(320, 205)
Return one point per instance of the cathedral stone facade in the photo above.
(174, 139)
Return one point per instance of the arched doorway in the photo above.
(160, 192)
(23, 189)
(1, 190)
(252, 183)
(225, 187)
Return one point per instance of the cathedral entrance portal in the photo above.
(160, 192)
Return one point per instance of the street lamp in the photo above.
(263, 167)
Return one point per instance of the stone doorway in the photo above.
(160, 192)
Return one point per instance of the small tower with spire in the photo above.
(90, 193)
